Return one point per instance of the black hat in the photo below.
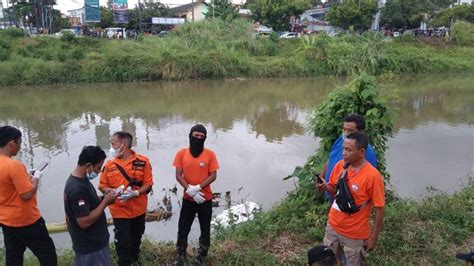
(199, 128)
(469, 257)
(319, 253)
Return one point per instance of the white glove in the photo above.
(128, 194)
(198, 198)
(37, 174)
(193, 190)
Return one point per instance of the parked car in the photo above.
(63, 31)
(163, 33)
(289, 35)
(264, 30)
(115, 33)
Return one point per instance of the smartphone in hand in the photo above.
(119, 190)
(42, 166)
(319, 179)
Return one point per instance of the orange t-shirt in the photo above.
(365, 184)
(196, 170)
(137, 167)
(14, 181)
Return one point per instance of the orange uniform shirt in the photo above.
(196, 170)
(14, 181)
(365, 184)
(137, 167)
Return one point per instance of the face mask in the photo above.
(196, 145)
(92, 175)
(115, 152)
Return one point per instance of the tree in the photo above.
(358, 14)
(222, 9)
(449, 16)
(106, 18)
(27, 15)
(148, 11)
(277, 13)
(409, 13)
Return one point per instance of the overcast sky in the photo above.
(65, 5)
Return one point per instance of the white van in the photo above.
(115, 33)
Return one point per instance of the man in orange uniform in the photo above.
(21, 221)
(133, 171)
(196, 169)
(350, 233)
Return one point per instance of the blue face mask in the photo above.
(92, 175)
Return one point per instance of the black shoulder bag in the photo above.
(344, 199)
(131, 181)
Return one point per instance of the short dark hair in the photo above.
(357, 119)
(123, 135)
(7, 134)
(360, 138)
(91, 154)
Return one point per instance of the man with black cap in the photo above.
(321, 256)
(196, 169)
(467, 257)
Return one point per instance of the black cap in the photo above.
(319, 253)
(469, 257)
(199, 128)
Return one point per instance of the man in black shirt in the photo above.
(85, 215)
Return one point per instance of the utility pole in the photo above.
(14, 14)
(192, 10)
(139, 15)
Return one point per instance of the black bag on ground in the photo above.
(343, 196)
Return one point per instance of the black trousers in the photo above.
(35, 237)
(186, 219)
(128, 238)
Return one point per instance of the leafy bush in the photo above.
(13, 33)
(361, 96)
(463, 33)
(68, 37)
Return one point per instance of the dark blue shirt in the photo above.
(335, 155)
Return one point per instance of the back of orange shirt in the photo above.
(14, 181)
(137, 167)
(365, 185)
(196, 170)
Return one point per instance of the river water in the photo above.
(258, 129)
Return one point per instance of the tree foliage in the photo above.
(450, 15)
(462, 33)
(277, 13)
(410, 13)
(148, 10)
(222, 9)
(358, 14)
(362, 96)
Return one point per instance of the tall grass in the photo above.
(215, 49)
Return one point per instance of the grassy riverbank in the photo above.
(429, 232)
(215, 49)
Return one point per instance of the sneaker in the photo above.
(199, 260)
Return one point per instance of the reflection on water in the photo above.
(256, 127)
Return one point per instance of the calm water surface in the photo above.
(258, 129)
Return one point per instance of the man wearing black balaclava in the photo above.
(196, 169)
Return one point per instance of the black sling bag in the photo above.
(131, 181)
(344, 199)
